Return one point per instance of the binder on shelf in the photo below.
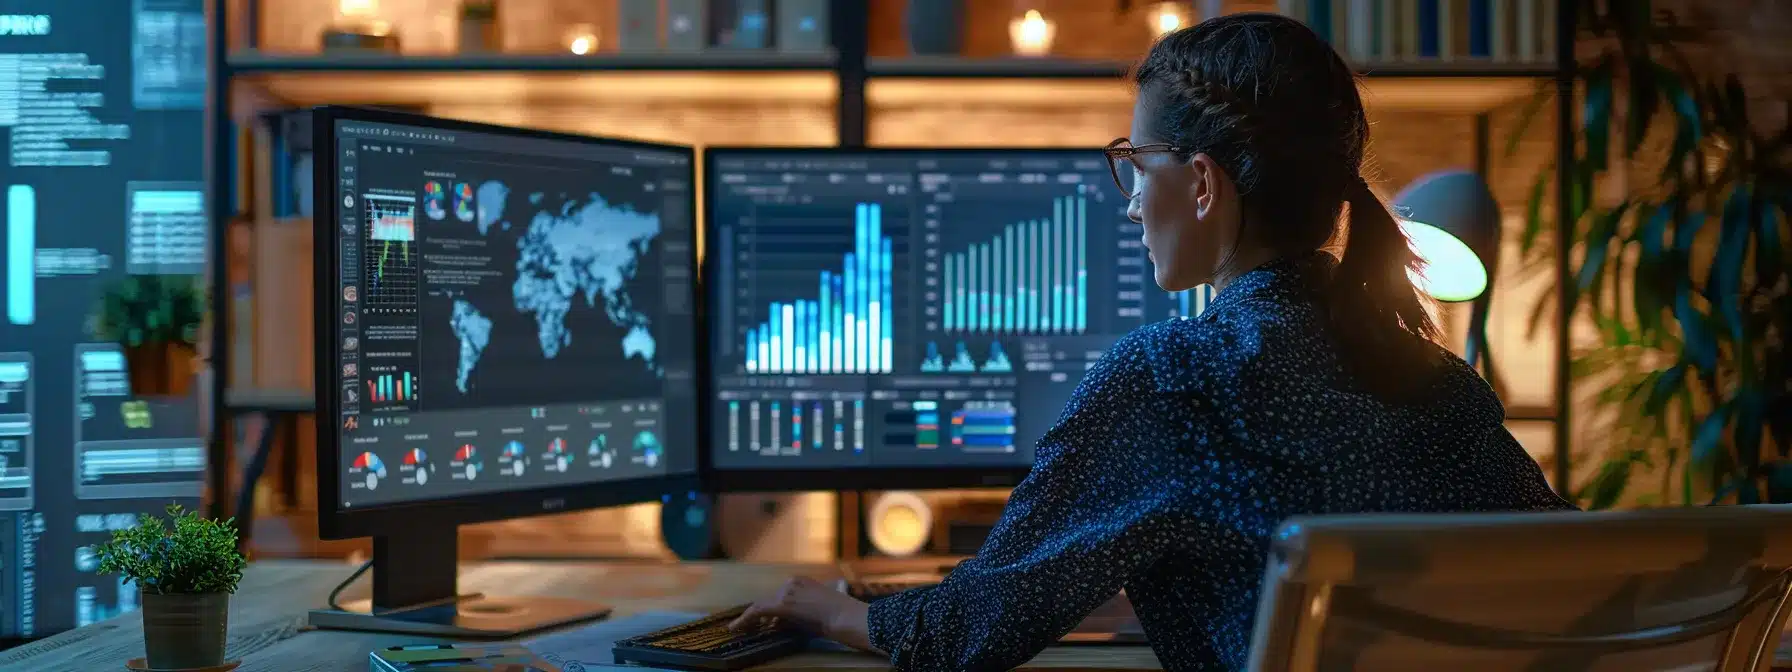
(1409, 30)
(1294, 9)
(687, 25)
(1500, 31)
(1389, 19)
(1210, 9)
(1526, 29)
(1361, 38)
(1480, 29)
(802, 26)
(740, 24)
(1546, 32)
(637, 25)
(1431, 42)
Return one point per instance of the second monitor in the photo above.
(910, 318)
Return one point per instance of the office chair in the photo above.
(1668, 589)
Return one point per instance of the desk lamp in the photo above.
(1454, 224)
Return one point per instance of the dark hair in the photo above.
(1279, 110)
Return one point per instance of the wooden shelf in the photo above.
(429, 88)
(253, 62)
(1444, 94)
(945, 67)
(939, 67)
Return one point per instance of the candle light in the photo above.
(1032, 34)
(582, 40)
(1166, 17)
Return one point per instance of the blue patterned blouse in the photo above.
(1172, 465)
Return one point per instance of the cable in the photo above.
(345, 584)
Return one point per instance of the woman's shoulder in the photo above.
(1175, 355)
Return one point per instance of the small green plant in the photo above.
(150, 309)
(196, 556)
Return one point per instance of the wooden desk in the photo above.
(267, 616)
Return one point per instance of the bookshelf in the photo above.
(866, 90)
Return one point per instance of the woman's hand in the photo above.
(807, 604)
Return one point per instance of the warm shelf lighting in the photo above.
(358, 9)
(582, 40)
(1032, 35)
(1166, 17)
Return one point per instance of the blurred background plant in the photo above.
(156, 320)
(1682, 268)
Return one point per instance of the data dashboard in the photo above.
(513, 312)
(913, 309)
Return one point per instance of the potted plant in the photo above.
(156, 319)
(185, 574)
(1684, 272)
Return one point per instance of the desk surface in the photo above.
(267, 616)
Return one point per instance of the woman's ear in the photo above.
(1204, 189)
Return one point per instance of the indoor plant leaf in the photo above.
(1596, 115)
(1723, 286)
(1707, 440)
(1647, 286)
(1688, 126)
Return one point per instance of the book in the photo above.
(1428, 19)
(1526, 30)
(1361, 38)
(1500, 31)
(1480, 28)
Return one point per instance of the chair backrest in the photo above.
(1669, 589)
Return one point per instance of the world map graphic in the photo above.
(582, 255)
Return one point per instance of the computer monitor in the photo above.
(902, 318)
(506, 326)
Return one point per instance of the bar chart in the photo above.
(1031, 278)
(1190, 303)
(847, 327)
(388, 387)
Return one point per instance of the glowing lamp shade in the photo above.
(1454, 225)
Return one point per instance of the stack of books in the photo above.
(1369, 32)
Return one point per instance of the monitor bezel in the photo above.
(838, 479)
(335, 522)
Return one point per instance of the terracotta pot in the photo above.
(160, 369)
(182, 632)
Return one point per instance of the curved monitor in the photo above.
(907, 318)
(506, 322)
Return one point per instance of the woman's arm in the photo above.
(1098, 507)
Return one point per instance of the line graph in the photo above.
(390, 253)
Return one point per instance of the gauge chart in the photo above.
(513, 461)
(598, 454)
(466, 464)
(647, 448)
(556, 459)
(369, 469)
(414, 468)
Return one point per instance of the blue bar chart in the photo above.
(1030, 278)
(1190, 303)
(847, 327)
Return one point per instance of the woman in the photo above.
(1309, 385)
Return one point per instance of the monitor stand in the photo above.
(414, 592)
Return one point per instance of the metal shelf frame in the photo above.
(852, 68)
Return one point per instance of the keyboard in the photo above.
(708, 644)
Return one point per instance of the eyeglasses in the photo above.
(1121, 151)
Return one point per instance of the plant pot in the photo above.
(935, 27)
(160, 369)
(182, 632)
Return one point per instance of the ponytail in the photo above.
(1382, 321)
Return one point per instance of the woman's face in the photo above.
(1186, 206)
